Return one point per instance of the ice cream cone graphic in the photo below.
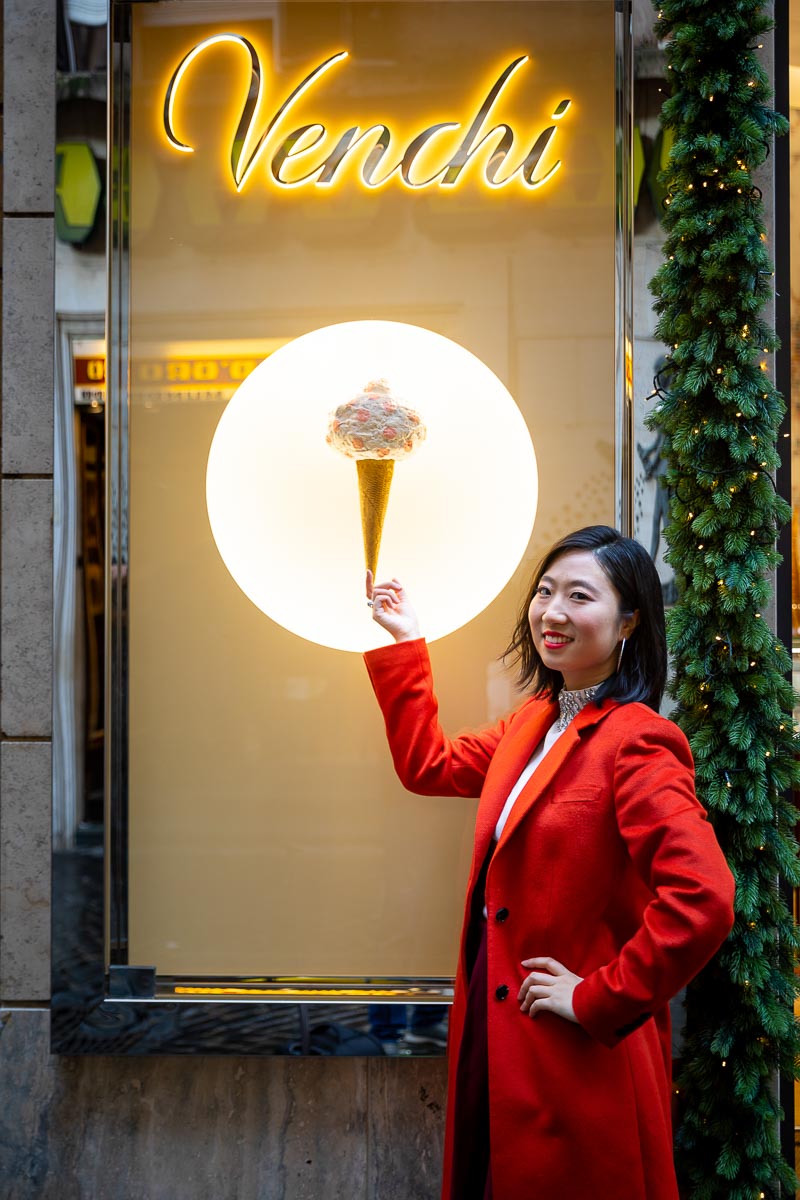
(374, 484)
(377, 431)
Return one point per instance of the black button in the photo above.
(501, 992)
(501, 914)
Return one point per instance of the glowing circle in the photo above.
(284, 506)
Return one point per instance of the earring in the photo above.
(621, 649)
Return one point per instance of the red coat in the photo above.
(607, 864)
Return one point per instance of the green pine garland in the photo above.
(719, 412)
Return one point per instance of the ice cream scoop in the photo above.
(376, 430)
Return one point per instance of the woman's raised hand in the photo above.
(392, 610)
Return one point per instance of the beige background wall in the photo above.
(260, 782)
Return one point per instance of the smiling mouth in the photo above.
(556, 639)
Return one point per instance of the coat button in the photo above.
(501, 992)
(501, 915)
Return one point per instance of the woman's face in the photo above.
(576, 622)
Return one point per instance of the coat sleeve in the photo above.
(426, 761)
(676, 853)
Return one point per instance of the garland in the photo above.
(719, 412)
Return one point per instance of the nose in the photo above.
(553, 612)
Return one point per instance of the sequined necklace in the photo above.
(571, 703)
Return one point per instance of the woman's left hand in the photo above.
(548, 988)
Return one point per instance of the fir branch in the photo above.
(719, 413)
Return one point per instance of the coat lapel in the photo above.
(507, 765)
(551, 764)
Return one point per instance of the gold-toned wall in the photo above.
(268, 834)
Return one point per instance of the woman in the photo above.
(597, 888)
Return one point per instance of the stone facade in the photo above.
(181, 1128)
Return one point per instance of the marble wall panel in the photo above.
(26, 616)
(25, 870)
(27, 345)
(406, 1128)
(180, 1128)
(29, 37)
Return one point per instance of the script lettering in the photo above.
(371, 146)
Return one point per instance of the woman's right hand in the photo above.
(392, 610)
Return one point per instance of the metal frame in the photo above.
(782, 244)
(132, 1010)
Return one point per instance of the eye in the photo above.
(542, 590)
(580, 596)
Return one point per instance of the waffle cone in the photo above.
(374, 484)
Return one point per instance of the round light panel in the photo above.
(284, 506)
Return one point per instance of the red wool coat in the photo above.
(607, 864)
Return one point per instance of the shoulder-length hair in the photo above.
(642, 673)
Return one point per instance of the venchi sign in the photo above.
(312, 155)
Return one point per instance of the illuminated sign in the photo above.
(309, 154)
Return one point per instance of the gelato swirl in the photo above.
(375, 425)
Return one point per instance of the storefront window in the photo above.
(445, 182)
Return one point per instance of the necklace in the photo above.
(571, 703)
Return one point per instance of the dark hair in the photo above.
(643, 671)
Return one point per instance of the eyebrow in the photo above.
(581, 583)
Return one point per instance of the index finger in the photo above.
(370, 581)
(549, 964)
